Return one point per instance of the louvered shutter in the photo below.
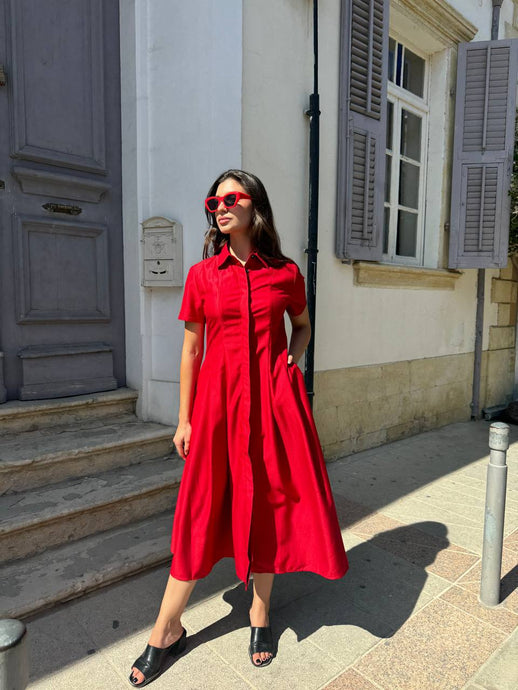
(483, 153)
(362, 124)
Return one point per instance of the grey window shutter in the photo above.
(362, 123)
(485, 112)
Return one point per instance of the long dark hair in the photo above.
(263, 233)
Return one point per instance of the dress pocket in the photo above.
(291, 368)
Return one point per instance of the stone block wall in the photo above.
(363, 407)
(498, 361)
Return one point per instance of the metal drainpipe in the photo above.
(312, 249)
(481, 275)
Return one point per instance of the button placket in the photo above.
(247, 407)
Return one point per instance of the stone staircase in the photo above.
(87, 496)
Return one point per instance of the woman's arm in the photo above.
(300, 335)
(192, 355)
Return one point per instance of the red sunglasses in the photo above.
(229, 200)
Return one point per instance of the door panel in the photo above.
(48, 74)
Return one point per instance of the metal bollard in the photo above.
(14, 662)
(494, 516)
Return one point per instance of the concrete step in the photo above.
(25, 415)
(35, 520)
(49, 455)
(32, 584)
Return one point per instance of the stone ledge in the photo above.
(372, 274)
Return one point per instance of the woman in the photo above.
(254, 486)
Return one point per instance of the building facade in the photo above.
(207, 86)
(394, 337)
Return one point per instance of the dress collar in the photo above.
(225, 255)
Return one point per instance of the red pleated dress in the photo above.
(254, 485)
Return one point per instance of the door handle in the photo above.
(3, 76)
(62, 208)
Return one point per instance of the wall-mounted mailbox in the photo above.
(162, 253)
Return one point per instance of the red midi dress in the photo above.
(254, 484)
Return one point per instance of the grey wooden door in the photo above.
(61, 260)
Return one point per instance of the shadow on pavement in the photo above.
(387, 572)
(378, 593)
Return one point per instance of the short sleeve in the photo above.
(192, 300)
(297, 301)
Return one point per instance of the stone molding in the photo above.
(439, 17)
(371, 274)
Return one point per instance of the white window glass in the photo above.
(410, 135)
(413, 73)
(407, 114)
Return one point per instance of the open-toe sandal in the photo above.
(261, 640)
(151, 662)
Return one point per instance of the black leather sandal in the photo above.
(261, 640)
(151, 661)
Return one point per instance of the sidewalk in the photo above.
(405, 616)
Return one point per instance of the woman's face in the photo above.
(238, 218)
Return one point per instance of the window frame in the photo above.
(401, 99)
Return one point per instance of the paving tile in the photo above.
(225, 628)
(511, 542)
(479, 471)
(336, 625)
(501, 670)
(441, 647)
(197, 667)
(459, 481)
(509, 581)
(349, 512)
(350, 680)
(93, 672)
(346, 617)
(460, 477)
(104, 620)
(466, 485)
(56, 642)
(501, 618)
(463, 529)
(461, 499)
(386, 585)
(370, 492)
(350, 540)
(418, 544)
(107, 616)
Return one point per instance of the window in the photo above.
(405, 171)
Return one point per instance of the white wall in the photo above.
(480, 12)
(354, 325)
(181, 67)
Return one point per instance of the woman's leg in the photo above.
(263, 583)
(168, 627)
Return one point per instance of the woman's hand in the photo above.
(182, 439)
(300, 336)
